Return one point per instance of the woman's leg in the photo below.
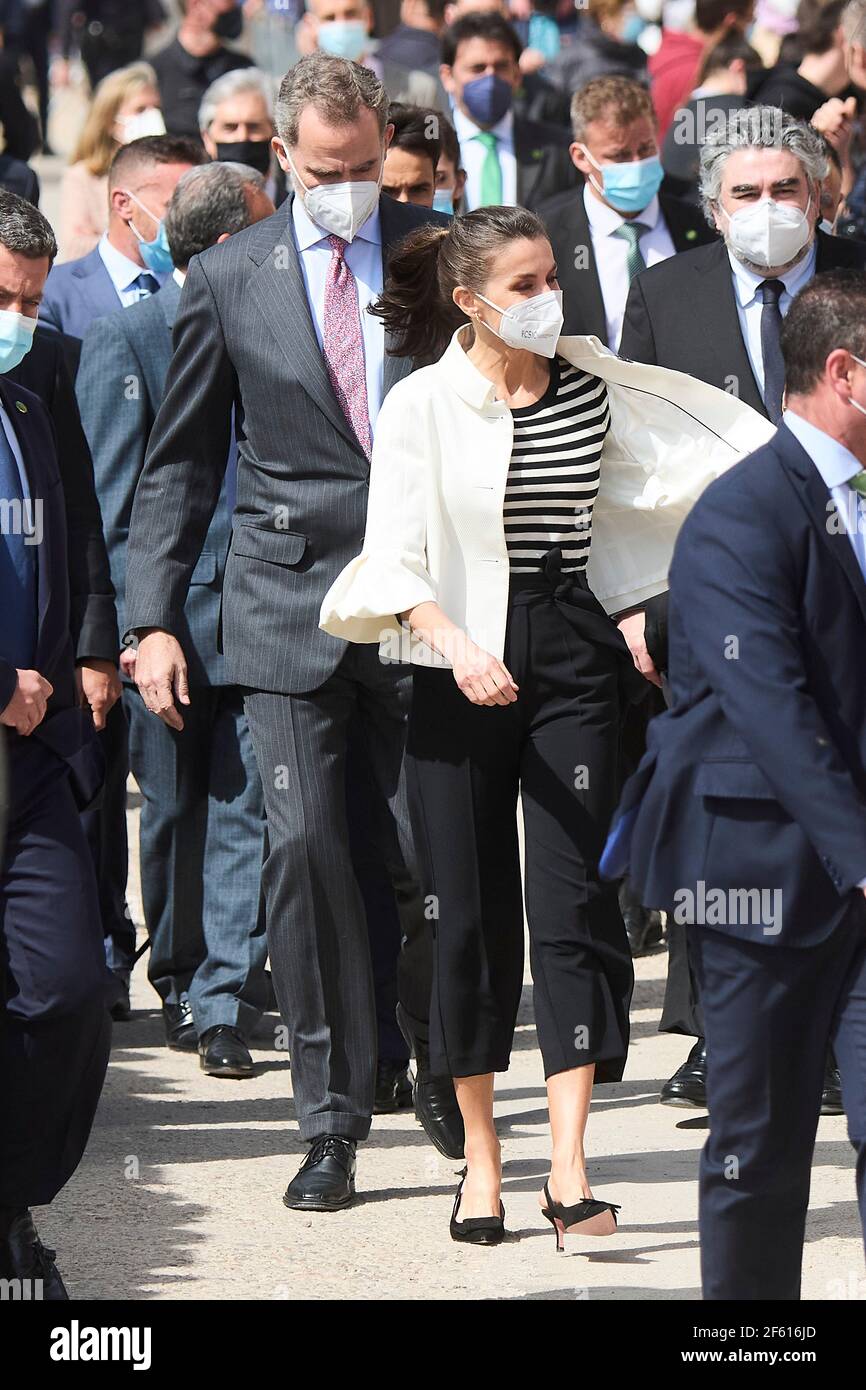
(483, 1155)
(463, 771)
(581, 967)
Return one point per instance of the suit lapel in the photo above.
(717, 290)
(529, 161)
(168, 299)
(817, 499)
(100, 291)
(279, 289)
(585, 284)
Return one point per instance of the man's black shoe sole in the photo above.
(316, 1203)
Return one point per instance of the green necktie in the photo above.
(491, 173)
(630, 233)
(858, 482)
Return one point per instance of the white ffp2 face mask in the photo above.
(339, 208)
(534, 324)
(768, 233)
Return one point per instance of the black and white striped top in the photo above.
(554, 471)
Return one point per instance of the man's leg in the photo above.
(317, 932)
(230, 986)
(105, 829)
(171, 773)
(55, 1030)
(849, 1046)
(768, 1012)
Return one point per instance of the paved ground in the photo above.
(179, 1196)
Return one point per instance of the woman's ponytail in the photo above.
(412, 305)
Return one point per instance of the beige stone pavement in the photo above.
(179, 1194)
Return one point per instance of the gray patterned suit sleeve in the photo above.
(180, 484)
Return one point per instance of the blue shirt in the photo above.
(837, 465)
(364, 259)
(750, 304)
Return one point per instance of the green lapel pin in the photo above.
(19, 405)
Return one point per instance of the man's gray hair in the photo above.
(853, 21)
(337, 88)
(207, 201)
(230, 85)
(761, 128)
(24, 230)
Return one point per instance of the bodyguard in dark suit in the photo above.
(617, 222)
(508, 158)
(716, 313)
(54, 1029)
(202, 819)
(750, 805)
(18, 177)
(271, 324)
(129, 264)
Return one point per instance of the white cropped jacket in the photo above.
(441, 455)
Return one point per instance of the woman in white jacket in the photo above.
(484, 503)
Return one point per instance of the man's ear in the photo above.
(446, 78)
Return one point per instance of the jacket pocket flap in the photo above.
(729, 777)
(278, 547)
(205, 571)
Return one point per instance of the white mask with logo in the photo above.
(534, 324)
(339, 208)
(768, 233)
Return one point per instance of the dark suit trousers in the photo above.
(771, 1013)
(55, 1030)
(317, 928)
(202, 844)
(105, 828)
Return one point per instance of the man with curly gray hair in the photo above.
(715, 312)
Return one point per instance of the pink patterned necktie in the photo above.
(343, 344)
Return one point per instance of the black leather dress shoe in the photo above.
(643, 929)
(25, 1258)
(393, 1088)
(325, 1180)
(223, 1052)
(180, 1031)
(118, 1001)
(831, 1096)
(688, 1085)
(436, 1108)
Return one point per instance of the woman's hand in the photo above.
(483, 678)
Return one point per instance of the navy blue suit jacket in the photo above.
(120, 386)
(76, 293)
(755, 778)
(66, 728)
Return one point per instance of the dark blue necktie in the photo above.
(146, 284)
(17, 566)
(771, 351)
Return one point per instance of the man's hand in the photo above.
(161, 676)
(632, 628)
(835, 120)
(98, 686)
(128, 658)
(26, 709)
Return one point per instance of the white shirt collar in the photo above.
(178, 276)
(308, 233)
(121, 269)
(834, 462)
(467, 129)
(746, 281)
(605, 220)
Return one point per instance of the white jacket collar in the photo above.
(475, 388)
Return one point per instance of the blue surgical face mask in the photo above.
(156, 254)
(343, 38)
(628, 187)
(632, 29)
(487, 99)
(443, 200)
(16, 338)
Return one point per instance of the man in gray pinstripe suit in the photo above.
(273, 325)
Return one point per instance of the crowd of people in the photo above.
(469, 417)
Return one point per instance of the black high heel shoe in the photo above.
(581, 1219)
(477, 1230)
